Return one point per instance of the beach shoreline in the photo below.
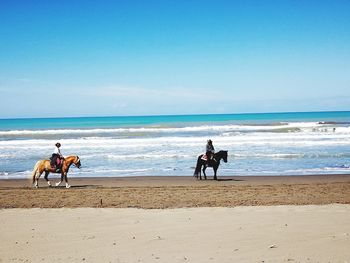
(177, 192)
(115, 181)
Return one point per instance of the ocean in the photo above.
(296, 143)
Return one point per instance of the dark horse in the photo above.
(215, 162)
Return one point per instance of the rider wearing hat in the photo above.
(209, 150)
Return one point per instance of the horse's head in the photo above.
(77, 162)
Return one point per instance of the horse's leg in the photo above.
(200, 173)
(58, 184)
(66, 179)
(205, 175)
(215, 169)
(37, 176)
(47, 179)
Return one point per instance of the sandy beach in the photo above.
(178, 192)
(235, 219)
(240, 234)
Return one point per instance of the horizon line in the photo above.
(170, 115)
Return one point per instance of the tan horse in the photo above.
(45, 166)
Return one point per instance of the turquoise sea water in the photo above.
(258, 144)
(172, 120)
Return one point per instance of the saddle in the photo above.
(209, 162)
(204, 157)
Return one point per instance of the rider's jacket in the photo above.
(209, 148)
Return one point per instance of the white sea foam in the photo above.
(148, 156)
(161, 142)
(323, 170)
(237, 128)
(287, 148)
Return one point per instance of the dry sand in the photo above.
(283, 219)
(240, 234)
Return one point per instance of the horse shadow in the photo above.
(229, 179)
(84, 186)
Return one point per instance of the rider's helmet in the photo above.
(58, 145)
(210, 141)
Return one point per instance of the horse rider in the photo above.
(209, 150)
(57, 157)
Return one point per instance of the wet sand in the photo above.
(178, 192)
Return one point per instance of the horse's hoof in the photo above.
(67, 186)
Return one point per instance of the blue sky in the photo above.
(93, 58)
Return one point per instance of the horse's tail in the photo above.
(198, 166)
(35, 170)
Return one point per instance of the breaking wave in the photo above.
(274, 148)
